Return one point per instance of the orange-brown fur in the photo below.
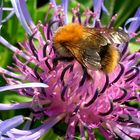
(70, 32)
(110, 59)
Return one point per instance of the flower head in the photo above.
(64, 92)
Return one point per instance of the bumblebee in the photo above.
(93, 48)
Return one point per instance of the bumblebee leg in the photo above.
(66, 59)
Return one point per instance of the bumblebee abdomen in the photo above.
(109, 58)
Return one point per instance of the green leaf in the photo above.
(98, 134)
(5, 56)
(50, 135)
(134, 46)
(11, 96)
(125, 9)
(32, 8)
(109, 4)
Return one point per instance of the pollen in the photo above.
(69, 32)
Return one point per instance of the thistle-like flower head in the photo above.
(64, 93)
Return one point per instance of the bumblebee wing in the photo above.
(117, 36)
(93, 38)
(91, 58)
(87, 56)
